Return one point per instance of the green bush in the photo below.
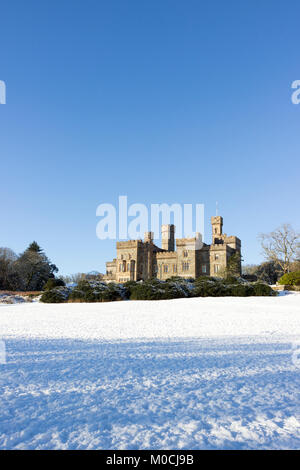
(181, 280)
(230, 280)
(260, 288)
(56, 295)
(155, 289)
(205, 278)
(249, 277)
(290, 279)
(241, 290)
(208, 288)
(232, 286)
(128, 288)
(53, 282)
(96, 291)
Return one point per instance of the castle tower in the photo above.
(217, 226)
(168, 237)
(148, 237)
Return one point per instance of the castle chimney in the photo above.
(168, 237)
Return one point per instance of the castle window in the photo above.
(216, 268)
(185, 266)
(185, 253)
(128, 267)
(216, 230)
(121, 256)
(174, 268)
(216, 256)
(166, 268)
(204, 268)
(122, 267)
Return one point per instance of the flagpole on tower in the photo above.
(216, 208)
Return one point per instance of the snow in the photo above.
(12, 299)
(199, 373)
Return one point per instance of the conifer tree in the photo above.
(34, 268)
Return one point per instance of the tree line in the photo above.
(31, 270)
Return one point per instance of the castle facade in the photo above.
(141, 260)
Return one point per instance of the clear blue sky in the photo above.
(163, 101)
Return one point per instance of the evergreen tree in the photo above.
(233, 267)
(34, 268)
(35, 247)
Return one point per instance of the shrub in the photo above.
(230, 279)
(242, 290)
(56, 295)
(97, 291)
(53, 282)
(155, 289)
(249, 277)
(205, 278)
(260, 288)
(290, 279)
(232, 286)
(128, 287)
(114, 292)
(206, 286)
(181, 280)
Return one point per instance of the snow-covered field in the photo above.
(200, 373)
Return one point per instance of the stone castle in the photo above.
(141, 260)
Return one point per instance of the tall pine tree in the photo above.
(34, 268)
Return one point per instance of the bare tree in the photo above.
(7, 260)
(282, 246)
(70, 278)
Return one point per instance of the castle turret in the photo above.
(148, 237)
(217, 227)
(168, 237)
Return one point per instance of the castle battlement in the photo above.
(185, 241)
(129, 243)
(166, 254)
